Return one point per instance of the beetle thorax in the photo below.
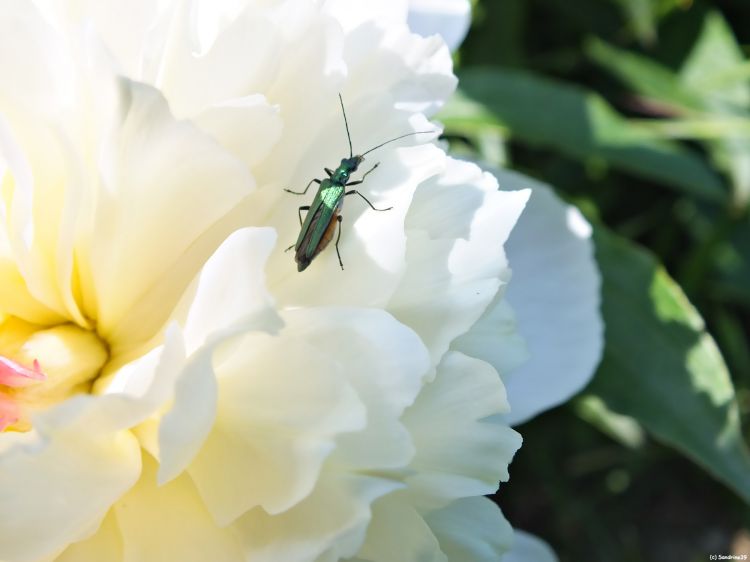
(348, 166)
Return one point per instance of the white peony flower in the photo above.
(170, 387)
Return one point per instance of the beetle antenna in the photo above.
(397, 138)
(346, 124)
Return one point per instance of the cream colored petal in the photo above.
(247, 127)
(15, 298)
(416, 72)
(462, 450)
(385, 362)
(240, 61)
(328, 525)
(339, 366)
(456, 228)
(170, 523)
(448, 18)
(528, 548)
(211, 17)
(164, 184)
(398, 533)
(231, 287)
(59, 481)
(105, 544)
(33, 56)
(37, 236)
(124, 26)
(556, 300)
(185, 426)
(352, 13)
(276, 424)
(472, 530)
(230, 299)
(495, 338)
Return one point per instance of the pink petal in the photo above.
(15, 375)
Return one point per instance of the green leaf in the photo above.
(713, 84)
(641, 15)
(577, 123)
(623, 429)
(717, 69)
(714, 63)
(644, 75)
(662, 368)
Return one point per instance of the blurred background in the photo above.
(638, 112)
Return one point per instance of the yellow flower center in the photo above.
(41, 366)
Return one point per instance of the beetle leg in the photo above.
(339, 218)
(299, 212)
(329, 172)
(305, 190)
(353, 191)
(367, 173)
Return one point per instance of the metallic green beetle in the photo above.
(325, 211)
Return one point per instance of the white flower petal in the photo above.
(328, 525)
(186, 425)
(194, 81)
(247, 127)
(448, 18)
(143, 236)
(555, 293)
(123, 25)
(528, 548)
(340, 365)
(272, 433)
(386, 364)
(59, 481)
(461, 450)
(399, 533)
(495, 338)
(353, 13)
(455, 262)
(417, 72)
(230, 299)
(171, 523)
(40, 210)
(105, 544)
(231, 287)
(26, 79)
(472, 530)
(17, 298)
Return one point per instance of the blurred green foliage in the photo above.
(638, 111)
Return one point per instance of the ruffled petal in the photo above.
(282, 428)
(456, 229)
(528, 548)
(278, 429)
(399, 532)
(59, 481)
(229, 299)
(461, 449)
(328, 525)
(448, 18)
(105, 544)
(555, 293)
(147, 248)
(472, 530)
(170, 522)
